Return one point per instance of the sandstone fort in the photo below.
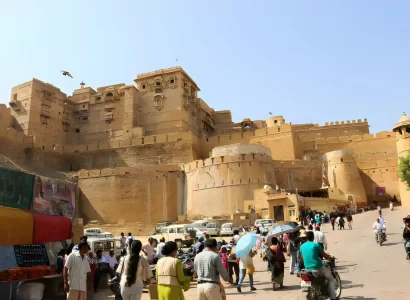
(156, 151)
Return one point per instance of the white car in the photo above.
(178, 233)
(228, 229)
(266, 223)
(212, 229)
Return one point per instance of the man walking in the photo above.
(208, 266)
(320, 238)
(349, 220)
(76, 273)
(294, 242)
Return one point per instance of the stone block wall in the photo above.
(146, 195)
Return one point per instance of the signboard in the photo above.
(380, 191)
(54, 197)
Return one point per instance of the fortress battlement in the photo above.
(355, 138)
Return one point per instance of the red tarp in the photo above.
(51, 228)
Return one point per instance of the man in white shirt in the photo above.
(160, 246)
(103, 266)
(320, 238)
(76, 273)
(123, 240)
(148, 250)
(129, 240)
(377, 226)
(111, 260)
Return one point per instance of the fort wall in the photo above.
(219, 185)
(298, 174)
(343, 175)
(145, 195)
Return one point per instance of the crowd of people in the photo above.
(214, 262)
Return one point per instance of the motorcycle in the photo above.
(187, 263)
(316, 286)
(380, 237)
(408, 249)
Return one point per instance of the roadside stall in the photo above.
(37, 220)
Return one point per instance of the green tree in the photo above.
(403, 170)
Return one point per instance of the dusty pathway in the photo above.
(368, 271)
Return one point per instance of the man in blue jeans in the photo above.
(311, 255)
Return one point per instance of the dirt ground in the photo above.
(367, 270)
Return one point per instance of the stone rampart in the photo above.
(146, 195)
(218, 186)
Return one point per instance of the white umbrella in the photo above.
(278, 230)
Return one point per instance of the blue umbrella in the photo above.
(278, 230)
(245, 244)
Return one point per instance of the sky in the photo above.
(310, 61)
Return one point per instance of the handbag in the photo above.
(250, 270)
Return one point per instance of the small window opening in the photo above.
(98, 98)
(77, 130)
(143, 86)
(157, 83)
(341, 160)
(110, 94)
(172, 81)
(407, 129)
(276, 121)
(83, 105)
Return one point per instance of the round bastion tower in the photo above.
(402, 129)
(344, 177)
(219, 185)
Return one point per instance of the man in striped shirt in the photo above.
(208, 266)
(76, 273)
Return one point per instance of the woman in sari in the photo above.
(170, 275)
(277, 266)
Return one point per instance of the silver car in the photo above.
(212, 229)
(228, 229)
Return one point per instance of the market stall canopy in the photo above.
(16, 189)
(16, 226)
(51, 228)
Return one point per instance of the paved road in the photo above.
(367, 270)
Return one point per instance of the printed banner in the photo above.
(54, 197)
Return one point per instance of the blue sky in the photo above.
(310, 61)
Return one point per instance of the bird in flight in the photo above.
(270, 113)
(66, 73)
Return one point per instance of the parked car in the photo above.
(97, 232)
(212, 229)
(105, 244)
(160, 225)
(201, 225)
(266, 223)
(184, 233)
(228, 229)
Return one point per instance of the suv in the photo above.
(160, 225)
(266, 223)
(105, 244)
(182, 233)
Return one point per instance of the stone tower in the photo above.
(402, 129)
(344, 177)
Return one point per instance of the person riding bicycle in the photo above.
(311, 255)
